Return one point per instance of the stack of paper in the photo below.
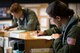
(44, 37)
(16, 33)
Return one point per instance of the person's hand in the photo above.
(55, 36)
(5, 28)
(40, 33)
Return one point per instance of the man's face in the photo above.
(16, 15)
(51, 21)
(57, 21)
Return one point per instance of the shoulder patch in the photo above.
(71, 41)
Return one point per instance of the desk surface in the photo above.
(4, 33)
(29, 35)
(30, 42)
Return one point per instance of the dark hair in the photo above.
(58, 8)
(15, 7)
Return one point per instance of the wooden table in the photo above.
(31, 42)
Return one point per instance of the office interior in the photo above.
(33, 44)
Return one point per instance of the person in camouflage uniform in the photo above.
(23, 19)
(63, 17)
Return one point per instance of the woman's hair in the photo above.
(58, 8)
(15, 7)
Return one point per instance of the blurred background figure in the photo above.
(23, 19)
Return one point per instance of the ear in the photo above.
(58, 18)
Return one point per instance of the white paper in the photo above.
(44, 37)
(16, 33)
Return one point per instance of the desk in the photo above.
(31, 42)
(3, 36)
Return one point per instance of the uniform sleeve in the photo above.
(33, 23)
(52, 30)
(71, 42)
(14, 23)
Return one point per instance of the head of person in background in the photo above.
(63, 17)
(59, 12)
(16, 10)
(23, 19)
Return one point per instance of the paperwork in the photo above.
(16, 33)
(44, 37)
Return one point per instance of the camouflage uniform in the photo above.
(70, 41)
(53, 29)
(29, 22)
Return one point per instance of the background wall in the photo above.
(75, 7)
(9, 2)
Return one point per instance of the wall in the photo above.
(75, 7)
